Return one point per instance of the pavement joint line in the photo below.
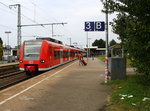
(4, 101)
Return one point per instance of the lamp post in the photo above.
(70, 41)
(87, 46)
(8, 32)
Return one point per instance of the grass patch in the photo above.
(102, 58)
(128, 95)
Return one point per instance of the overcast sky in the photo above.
(74, 12)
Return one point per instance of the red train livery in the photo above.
(43, 55)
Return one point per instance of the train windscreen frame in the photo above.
(32, 50)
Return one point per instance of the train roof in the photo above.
(55, 43)
(50, 39)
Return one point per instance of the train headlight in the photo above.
(42, 61)
(21, 61)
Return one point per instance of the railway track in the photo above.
(10, 75)
(8, 68)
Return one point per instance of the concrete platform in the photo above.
(68, 88)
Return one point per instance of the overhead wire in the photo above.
(3, 4)
(16, 11)
(48, 15)
(30, 18)
(21, 14)
(8, 27)
(44, 11)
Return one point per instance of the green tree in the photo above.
(1, 48)
(112, 42)
(100, 43)
(1, 42)
(133, 27)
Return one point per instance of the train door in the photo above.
(51, 57)
(61, 56)
(69, 54)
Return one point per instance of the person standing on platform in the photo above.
(92, 54)
(80, 57)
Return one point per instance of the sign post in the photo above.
(107, 76)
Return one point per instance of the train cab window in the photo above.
(32, 50)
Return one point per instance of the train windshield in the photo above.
(32, 50)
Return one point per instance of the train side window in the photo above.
(68, 54)
(55, 55)
(58, 55)
(64, 53)
(50, 48)
(61, 54)
(72, 54)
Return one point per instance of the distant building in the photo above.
(116, 50)
(95, 50)
(9, 52)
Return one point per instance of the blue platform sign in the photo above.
(89, 26)
(94, 26)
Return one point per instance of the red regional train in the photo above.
(42, 55)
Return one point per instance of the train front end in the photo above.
(30, 56)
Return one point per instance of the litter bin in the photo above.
(117, 68)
